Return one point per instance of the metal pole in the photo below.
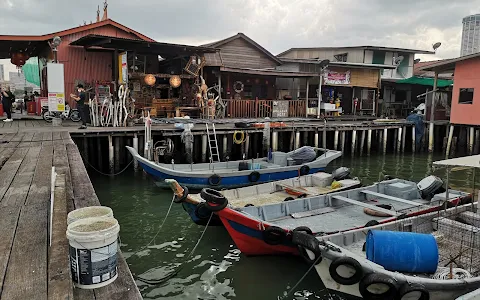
(319, 93)
(432, 114)
(306, 100)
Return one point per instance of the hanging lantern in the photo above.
(150, 79)
(175, 81)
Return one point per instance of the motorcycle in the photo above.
(69, 113)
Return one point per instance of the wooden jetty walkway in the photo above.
(29, 267)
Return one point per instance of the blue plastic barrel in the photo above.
(402, 251)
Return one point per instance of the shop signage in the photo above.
(331, 77)
(56, 87)
(122, 68)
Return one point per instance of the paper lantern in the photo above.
(150, 79)
(175, 81)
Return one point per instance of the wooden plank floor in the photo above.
(29, 267)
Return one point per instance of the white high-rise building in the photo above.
(470, 35)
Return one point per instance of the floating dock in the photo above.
(31, 268)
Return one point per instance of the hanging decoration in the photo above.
(175, 81)
(150, 79)
(238, 86)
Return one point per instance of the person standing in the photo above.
(7, 98)
(80, 99)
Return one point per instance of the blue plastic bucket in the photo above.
(403, 251)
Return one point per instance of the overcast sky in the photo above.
(275, 24)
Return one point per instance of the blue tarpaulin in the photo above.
(419, 129)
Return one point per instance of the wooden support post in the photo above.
(476, 148)
(116, 142)
(414, 143)
(204, 148)
(315, 140)
(399, 137)
(362, 142)
(111, 162)
(225, 147)
(135, 146)
(99, 153)
(305, 138)
(430, 136)
(292, 140)
(335, 141)
(343, 140)
(324, 137)
(354, 141)
(404, 134)
(369, 141)
(385, 140)
(85, 152)
(471, 140)
(247, 145)
(141, 144)
(297, 139)
(306, 98)
(449, 141)
(275, 141)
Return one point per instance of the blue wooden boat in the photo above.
(233, 174)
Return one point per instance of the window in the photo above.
(466, 96)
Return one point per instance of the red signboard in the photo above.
(331, 77)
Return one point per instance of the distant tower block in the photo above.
(470, 35)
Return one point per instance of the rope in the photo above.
(241, 140)
(179, 268)
(100, 172)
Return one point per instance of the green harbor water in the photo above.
(217, 270)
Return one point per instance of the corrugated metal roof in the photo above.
(392, 49)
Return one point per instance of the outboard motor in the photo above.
(430, 186)
(341, 173)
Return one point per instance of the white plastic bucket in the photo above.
(89, 212)
(93, 251)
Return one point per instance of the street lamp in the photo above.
(323, 65)
(436, 46)
(54, 45)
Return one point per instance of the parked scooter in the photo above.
(69, 113)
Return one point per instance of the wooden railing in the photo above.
(262, 108)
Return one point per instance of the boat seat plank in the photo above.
(366, 205)
(315, 212)
(372, 193)
(293, 188)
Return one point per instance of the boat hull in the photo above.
(247, 232)
(227, 182)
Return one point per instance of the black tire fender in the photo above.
(376, 278)
(302, 196)
(177, 199)
(288, 199)
(408, 288)
(214, 180)
(248, 205)
(202, 211)
(372, 223)
(214, 200)
(307, 245)
(274, 235)
(304, 170)
(350, 262)
(254, 176)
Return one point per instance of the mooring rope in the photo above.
(443, 273)
(105, 174)
(179, 268)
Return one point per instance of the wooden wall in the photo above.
(240, 54)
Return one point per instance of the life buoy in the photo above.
(292, 192)
(377, 278)
(274, 235)
(177, 199)
(349, 262)
(408, 288)
(307, 245)
(214, 200)
(304, 170)
(254, 176)
(214, 180)
(288, 199)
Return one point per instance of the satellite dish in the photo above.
(399, 59)
(416, 61)
(324, 63)
(436, 46)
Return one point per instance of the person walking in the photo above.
(7, 99)
(80, 99)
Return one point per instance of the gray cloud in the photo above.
(275, 24)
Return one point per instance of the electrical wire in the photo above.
(100, 172)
